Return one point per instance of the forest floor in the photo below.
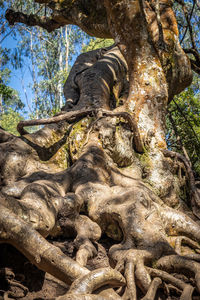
(20, 279)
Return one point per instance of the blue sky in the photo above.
(19, 76)
(21, 79)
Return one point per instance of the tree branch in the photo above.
(194, 52)
(188, 18)
(194, 192)
(195, 64)
(32, 20)
(186, 119)
(72, 115)
(178, 137)
(80, 12)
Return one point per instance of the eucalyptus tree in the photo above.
(183, 112)
(45, 56)
(183, 126)
(102, 165)
(10, 102)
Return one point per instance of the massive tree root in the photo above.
(118, 204)
(99, 170)
(92, 197)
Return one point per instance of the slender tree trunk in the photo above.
(1, 105)
(34, 76)
(67, 37)
(60, 59)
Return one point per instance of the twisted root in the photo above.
(83, 287)
(150, 295)
(186, 289)
(41, 253)
(176, 263)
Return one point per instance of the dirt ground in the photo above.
(19, 279)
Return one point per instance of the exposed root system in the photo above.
(91, 198)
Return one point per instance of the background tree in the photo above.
(184, 126)
(184, 109)
(46, 56)
(101, 173)
(10, 103)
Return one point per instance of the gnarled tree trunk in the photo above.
(102, 168)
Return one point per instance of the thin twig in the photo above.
(178, 137)
(186, 119)
(189, 19)
(33, 33)
(6, 35)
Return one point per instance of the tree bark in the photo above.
(101, 167)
